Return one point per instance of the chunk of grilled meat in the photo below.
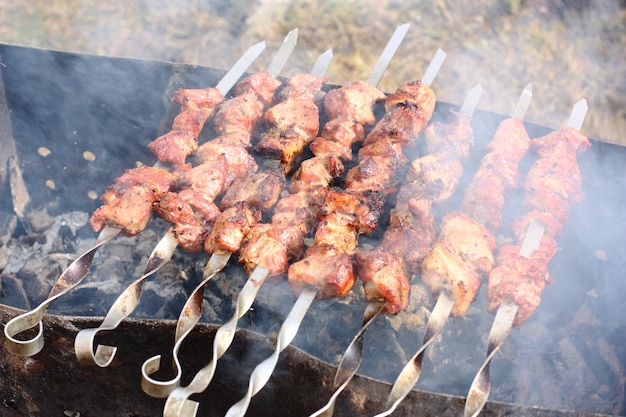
(198, 105)
(384, 276)
(354, 102)
(231, 227)
(245, 110)
(271, 247)
(233, 147)
(192, 216)
(294, 122)
(207, 179)
(521, 279)
(462, 253)
(260, 190)
(326, 268)
(127, 203)
(498, 172)
(555, 179)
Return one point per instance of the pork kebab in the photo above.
(521, 271)
(242, 203)
(189, 205)
(292, 124)
(410, 107)
(350, 110)
(386, 270)
(127, 204)
(463, 251)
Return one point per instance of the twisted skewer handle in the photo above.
(479, 390)
(264, 370)
(71, 277)
(123, 306)
(412, 370)
(177, 404)
(189, 317)
(351, 359)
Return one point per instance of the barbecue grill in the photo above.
(79, 121)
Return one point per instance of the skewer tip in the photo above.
(433, 68)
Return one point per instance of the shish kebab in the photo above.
(521, 271)
(462, 252)
(350, 110)
(386, 270)
(222, 159)
(294, 122)
(198, 105)
(407, 112)
(228, 228)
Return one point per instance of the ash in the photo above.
(553, 361)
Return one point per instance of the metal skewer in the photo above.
(128, 300)
(78, 269)
(505, 315)
(289, 329)
(411, 372)
(177, 403)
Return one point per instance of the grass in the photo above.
(568, 49)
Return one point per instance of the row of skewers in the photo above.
(218, 199)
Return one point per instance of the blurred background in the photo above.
(567, 49)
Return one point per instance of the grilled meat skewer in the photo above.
(134, 184)
(349, 110)
(242, 204)
(384, 270)
(301, 91)
(464, 248)
(521, 271)
(192, 210)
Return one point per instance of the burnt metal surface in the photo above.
(569, 355)
(53, 382)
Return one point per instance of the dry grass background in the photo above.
(568, 49)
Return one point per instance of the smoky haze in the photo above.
(569, 355)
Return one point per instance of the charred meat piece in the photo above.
(260, 190)
(326, 269)
(296, 210)
(497, 173)
(522, 279)
(244, 111)
(231, 227)
(271, 247)
(454, 137)
(354, 102)
(207, 179)
(315, 173)
(461, 255)
(127, 203)
(198, 105)
(384, 277)
(410, 234)
(191, 216)
(231, 146)
(294, 122)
